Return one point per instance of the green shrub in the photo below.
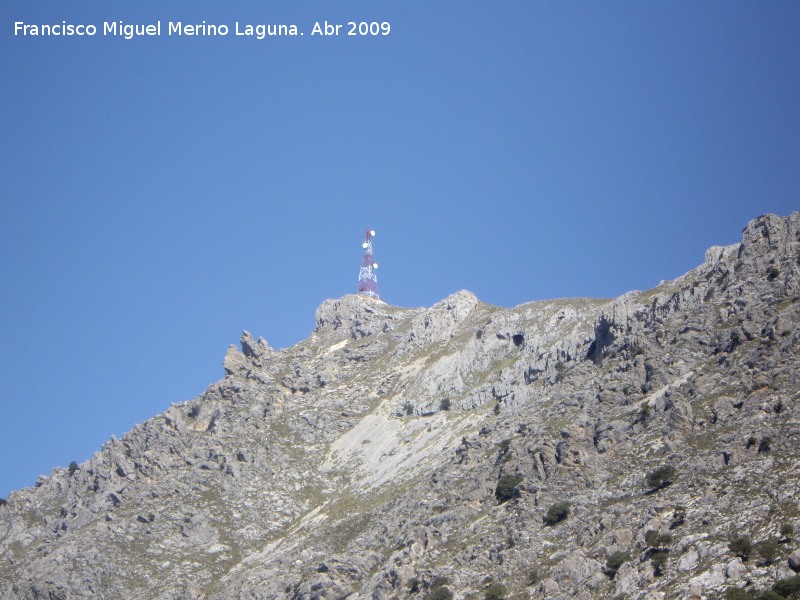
(787, 530)
(533, 576)
(661, 477)
(659, 560)
(557, 513)
(507, 487)
(741, 546)
(439, 593)
(73, 466)
(615, 561)
(788, 588)
(768, 595)
(657, 540)
(768, 551)
(505, 450)
(496, 591)
(738, 594)
(444, 404)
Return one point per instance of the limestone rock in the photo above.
(794, 561)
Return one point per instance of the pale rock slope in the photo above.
(363, 462)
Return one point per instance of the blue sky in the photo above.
(162, 194)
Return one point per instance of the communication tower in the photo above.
(367, 280)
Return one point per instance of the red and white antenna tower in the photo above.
(367, 280)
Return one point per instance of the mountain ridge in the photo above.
(366, 461)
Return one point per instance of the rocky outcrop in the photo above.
(573, 448)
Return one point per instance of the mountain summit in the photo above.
(642, 447)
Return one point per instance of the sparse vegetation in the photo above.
(444, 404)
(73, 466)
(507, 487)
(557, 513)
(661, 477)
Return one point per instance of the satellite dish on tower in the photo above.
(372, 233)
(374, 265)
(365, 245)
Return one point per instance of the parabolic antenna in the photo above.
(364, 245)
(374, 265)
(372, 233)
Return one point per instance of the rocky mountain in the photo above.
(642, 447)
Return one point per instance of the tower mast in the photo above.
(367, 280)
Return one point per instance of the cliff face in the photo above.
(364, 462)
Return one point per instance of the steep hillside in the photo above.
(571, 448)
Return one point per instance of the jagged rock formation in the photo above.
(364, 462)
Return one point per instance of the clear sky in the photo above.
(161, 194)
